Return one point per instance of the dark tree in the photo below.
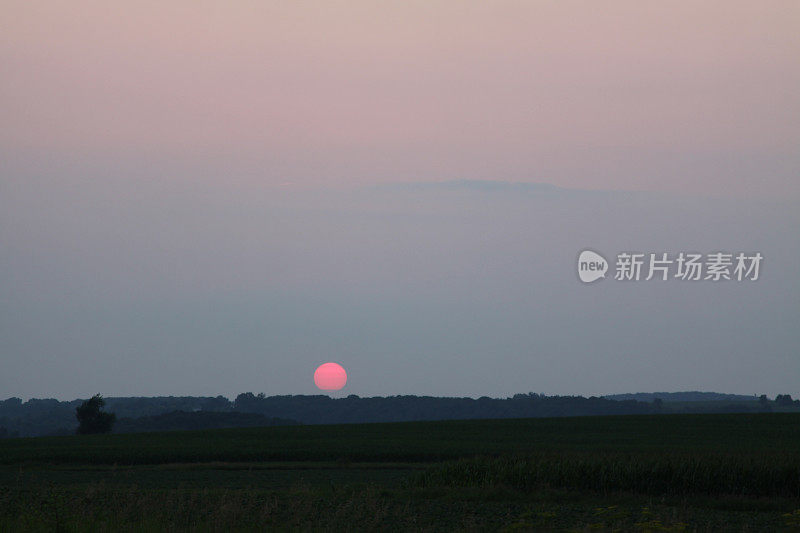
(91, 417)
(784, 399)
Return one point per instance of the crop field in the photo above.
(628, 473)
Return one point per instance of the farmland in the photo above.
(642, 472)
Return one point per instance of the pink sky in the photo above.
(677, 96)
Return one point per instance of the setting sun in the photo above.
(330, 376)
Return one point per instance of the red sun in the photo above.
(330, 376)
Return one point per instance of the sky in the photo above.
(208, 198)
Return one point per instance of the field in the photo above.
(639, 473)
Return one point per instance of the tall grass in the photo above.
(681, 473)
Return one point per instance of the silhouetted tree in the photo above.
(784, 399)
(91, 417)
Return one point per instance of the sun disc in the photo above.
(330, 376)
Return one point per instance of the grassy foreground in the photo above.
(630, 473)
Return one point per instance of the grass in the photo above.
(631, 473)
(422, 441)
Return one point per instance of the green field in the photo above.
(640, 473)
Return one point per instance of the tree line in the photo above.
(52, 417)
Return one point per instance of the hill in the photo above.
(688, 396)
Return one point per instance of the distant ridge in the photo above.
(500, 187)
(687, 396)
(491, 185)
(504, 188)
(477, 186)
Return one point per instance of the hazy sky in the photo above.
(685, 96)
(194, 199)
